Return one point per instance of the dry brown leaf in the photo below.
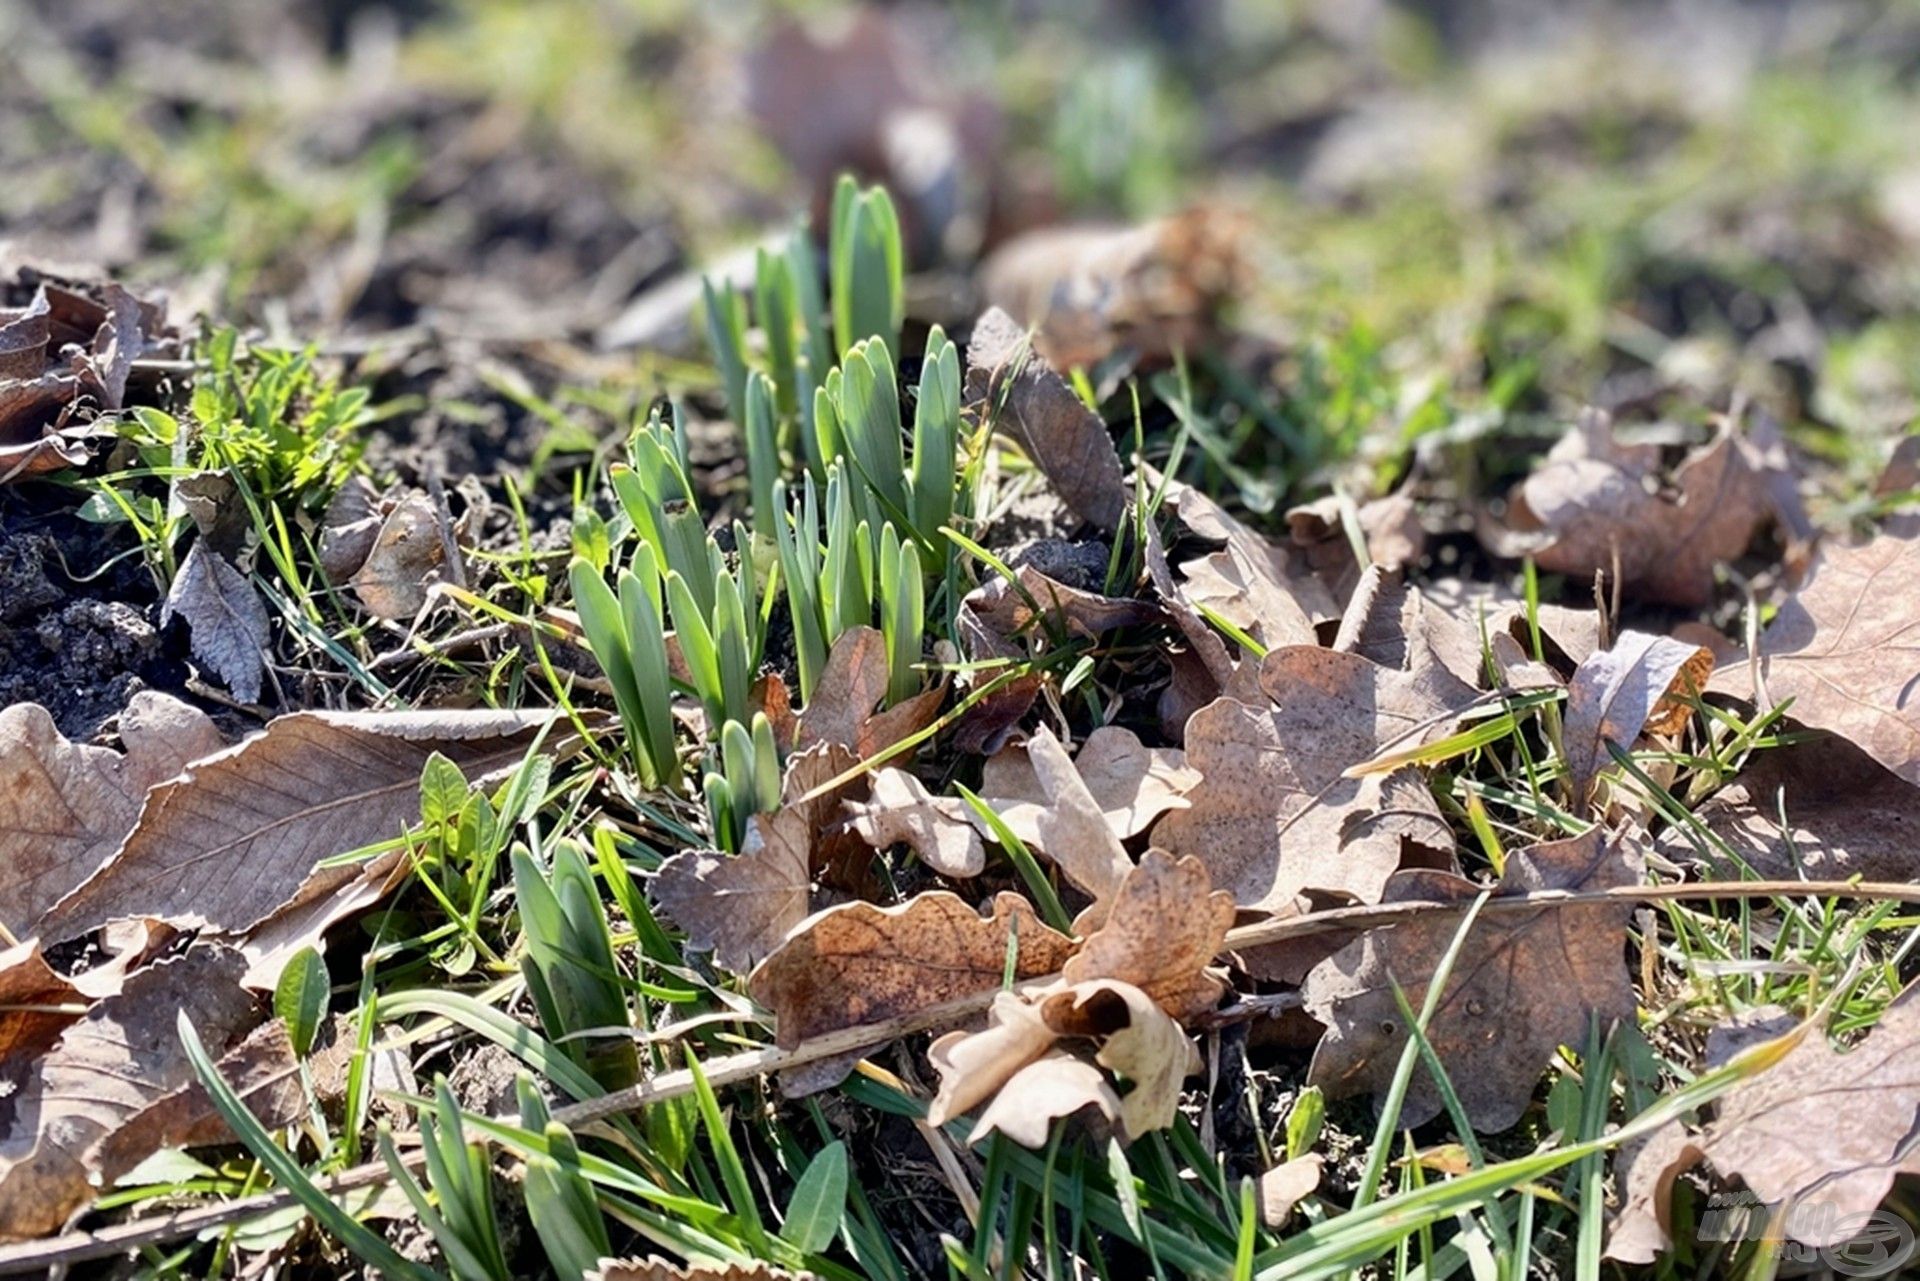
(1825, 1128)
(1287, 1185)
(1845, 648)
(1131, 784)
(35, 1005)
(68, 806)
(1274, 813)
(1068, 824)
(1014, 387)
(262, 1069)
(851, 685)
(1641, 683)
(408, 554)
(1163, 927)
(233, 842)
(937, 828)
(740, 906)
(1845, 816)
(1054, 1086)
(65, 359)
(1138, 1041)
(974, 1066)
(225, 617)
(1568, 635)
(1134, 1039)
(1144, 291)
(1390, 526)
(1259, 586)
(1644, 1172)
(1526, 983)
(858, 963)
(105, 1070)
(1589, 507)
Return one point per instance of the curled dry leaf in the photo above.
(1013, 386)
(230, 845)
(35, 1005)
(1589, 507)
(1274, 813)
(102, 1077)
(858, 963)
(1845, 648)
(1135, 1039)
(1055, 1085)
(1130, 783)
(409, 553)
(740, 906)
(1526, 983)
(1163, 927)
(1144, 291)
(225, 618)
(1641, 683)
(851, 686)
(1644, 1173)
(937, 828)
(65, 359)
(68, 806)
(1287, 1185)
(1845, 817)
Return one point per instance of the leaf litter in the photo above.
(1244, 720)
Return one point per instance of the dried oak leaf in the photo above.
(851, 686)
(1065, 822)
(67, 806)
(64, 360)
(1589, 506)
(1644, 1172)
(1000, 620)
(1134, 1038)
(1845, 648)
(1131, 784)
(1526, 983)
(103, 1073)
(1567, 635)
(740, 906)
(1056, 1085)
(1260, 587)
(1163, 927)
(1827, 1126)
(1845, 817)
(231, 844)
(1286, 1185)
(858, 963)
(937, 828)
(1390, 528)
(35, 1005)
(1011, 385)
(413, 549)
(1145, 291)
(1274, 813)
(1640, 683)
(225, 617)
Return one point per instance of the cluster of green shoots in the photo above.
(849, 508)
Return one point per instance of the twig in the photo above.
(73, 1247)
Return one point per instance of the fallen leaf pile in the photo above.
(67, 356)
(180, 836)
